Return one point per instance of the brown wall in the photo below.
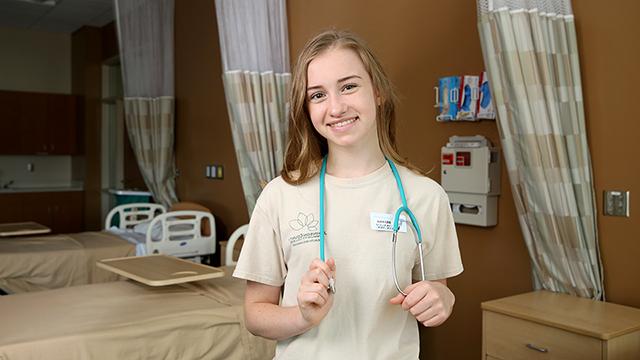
(91, 47)
(418, 42)
(609, 53)
(203, 135)
(86, 73)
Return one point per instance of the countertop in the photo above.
(32, 189)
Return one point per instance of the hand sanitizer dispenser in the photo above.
(471, 178)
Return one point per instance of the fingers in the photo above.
(314, 298)
(415, 292)
(429, 302)
(314, 293)
(315, 282)
(321, 271)
(316, 275)
(331, 263)
(431, 317)
(397, 300)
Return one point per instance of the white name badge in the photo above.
(384, 222)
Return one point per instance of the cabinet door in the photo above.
(61, 124)
(33, 118)
(21, 207)
(36, 207)
(9, 123)
(67, 212)
(11, 208)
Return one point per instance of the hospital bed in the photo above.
(50, 262)
(129, 320)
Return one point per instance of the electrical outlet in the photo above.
(616, 203)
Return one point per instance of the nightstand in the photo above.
(546, 325)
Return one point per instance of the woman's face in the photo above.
(341, 99)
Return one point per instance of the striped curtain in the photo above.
(151, 133)
(531, 54)
(254, 48)
(257, 106)
(145, 37)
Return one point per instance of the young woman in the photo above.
(337, 195)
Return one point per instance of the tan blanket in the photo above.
(128, 320)
(56, 261)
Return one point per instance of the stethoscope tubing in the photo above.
(396, 222)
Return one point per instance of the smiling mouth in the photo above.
(343, 123)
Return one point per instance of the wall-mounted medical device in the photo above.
(470, 174)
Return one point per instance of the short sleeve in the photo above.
(442, 258)
(261, 258)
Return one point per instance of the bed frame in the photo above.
(133, 214)
(182, 234)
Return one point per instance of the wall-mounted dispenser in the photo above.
(471, 177)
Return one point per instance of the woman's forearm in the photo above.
(274, 321)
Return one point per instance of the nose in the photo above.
(338, 106)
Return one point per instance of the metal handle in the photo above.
(537, 348)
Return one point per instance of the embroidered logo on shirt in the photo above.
(305, 228)
(304, 221)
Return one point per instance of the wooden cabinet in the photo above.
(9, 122)
(61, 211)
(546, 325)
(62, 124)
(39, 123)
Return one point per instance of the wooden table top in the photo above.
(160, 270)
(597, 319)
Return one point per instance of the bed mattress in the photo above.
(55, 261)
(129, 320)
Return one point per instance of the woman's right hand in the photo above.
(314, 297)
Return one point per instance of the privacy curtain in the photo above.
(145, 34)
(255, 60)
(531, 54)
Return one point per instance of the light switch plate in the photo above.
(616, 203)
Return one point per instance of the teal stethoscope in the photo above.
(396, 224)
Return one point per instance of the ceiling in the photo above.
(64, 16)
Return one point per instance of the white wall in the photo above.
(35, 61)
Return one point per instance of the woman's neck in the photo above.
(347, 163)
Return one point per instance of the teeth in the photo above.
(344, 123)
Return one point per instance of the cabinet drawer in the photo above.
(510, 338)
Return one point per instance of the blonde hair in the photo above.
(305, 146)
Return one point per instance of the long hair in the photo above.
(305, 146)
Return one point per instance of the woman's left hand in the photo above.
(430, 302)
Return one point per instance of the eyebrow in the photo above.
(339, 81)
